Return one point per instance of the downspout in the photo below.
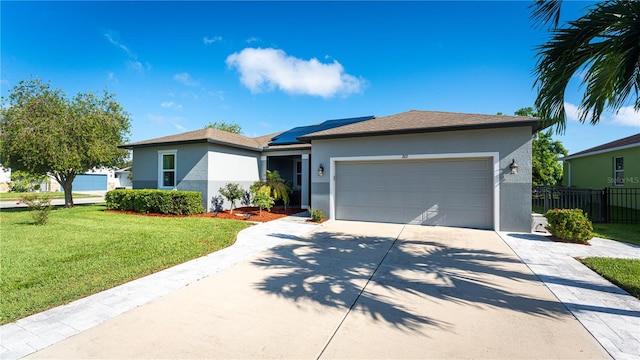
(569, 173)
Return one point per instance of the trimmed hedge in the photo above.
(155, 201)
(569, 224)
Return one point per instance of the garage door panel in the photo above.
(90, 182)
(430, 192)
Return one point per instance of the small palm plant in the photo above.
(275, 186)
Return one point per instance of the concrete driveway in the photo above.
(353, 290)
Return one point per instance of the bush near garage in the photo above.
(569, 224)
(155, 201)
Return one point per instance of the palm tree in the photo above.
(274, 185)
(603, 47)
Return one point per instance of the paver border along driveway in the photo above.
(353, 290)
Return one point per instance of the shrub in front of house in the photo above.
(569, 224)
(169, 202)
(39, 204)
(317, 215)
(263, 200)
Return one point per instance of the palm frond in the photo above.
(546, 11)
(604, 45)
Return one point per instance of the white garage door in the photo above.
(451, 192)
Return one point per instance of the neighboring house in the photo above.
(95, 180)
(103, 179)
(417, 167)
(122, 178)
(615, 164)
(5, 179)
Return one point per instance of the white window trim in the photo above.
(615, 171)
(297, 186)
(161, 153)
(495, 156)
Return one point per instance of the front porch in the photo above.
(294, 169)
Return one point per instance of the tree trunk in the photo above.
(66, 181)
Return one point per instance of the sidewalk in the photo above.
(58, 202)
(610, 314)
(41, 330)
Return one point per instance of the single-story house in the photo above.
(614, 164)
(417, 167)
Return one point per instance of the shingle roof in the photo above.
(209, 135)
(416, 121)
(629, 141)
(413, 121)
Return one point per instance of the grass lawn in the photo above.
(84, 250)
(629, 233)
(13, 196)
(625, 273)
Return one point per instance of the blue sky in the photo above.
(270, 66)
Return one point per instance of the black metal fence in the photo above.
(608, 205)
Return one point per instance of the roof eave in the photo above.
(187, 142)
(603, 151)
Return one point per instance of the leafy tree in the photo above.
(263, 200)
(526, 111)
(545, 168)
(232, 192)
(275, 186)
(22, 181)
(224, 126)
(602, 47)
(43, 132)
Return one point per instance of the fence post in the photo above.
(605, 205)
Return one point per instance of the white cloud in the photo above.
(207, 40)
(185, 79)
(266, 69)
(626, 116)
(111, 77)
(162, 120)
(171, 105)
(117, 43)
(252, 39)
(572, 111)
(132, 62)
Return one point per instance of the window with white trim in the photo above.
(297, 174)
(167, 169)
(618, 170)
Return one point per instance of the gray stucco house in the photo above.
(417, 167)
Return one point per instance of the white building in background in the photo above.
(5, 178)
(104, 179)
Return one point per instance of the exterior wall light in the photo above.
(514, 167)
(321, 170)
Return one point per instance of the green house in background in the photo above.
(612, 165)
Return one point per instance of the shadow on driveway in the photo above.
(334, 269)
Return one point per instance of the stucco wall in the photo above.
(191, 168)
(200, 167)
(510, 143)
(597, 171)
(229, 165)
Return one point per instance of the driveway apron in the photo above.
(353, 290)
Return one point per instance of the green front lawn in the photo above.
(84, 250)
(629, 233)
(15, 196)
(625, 273)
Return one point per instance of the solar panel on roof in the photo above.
(291, 136)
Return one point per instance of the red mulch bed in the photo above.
(238, 214)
